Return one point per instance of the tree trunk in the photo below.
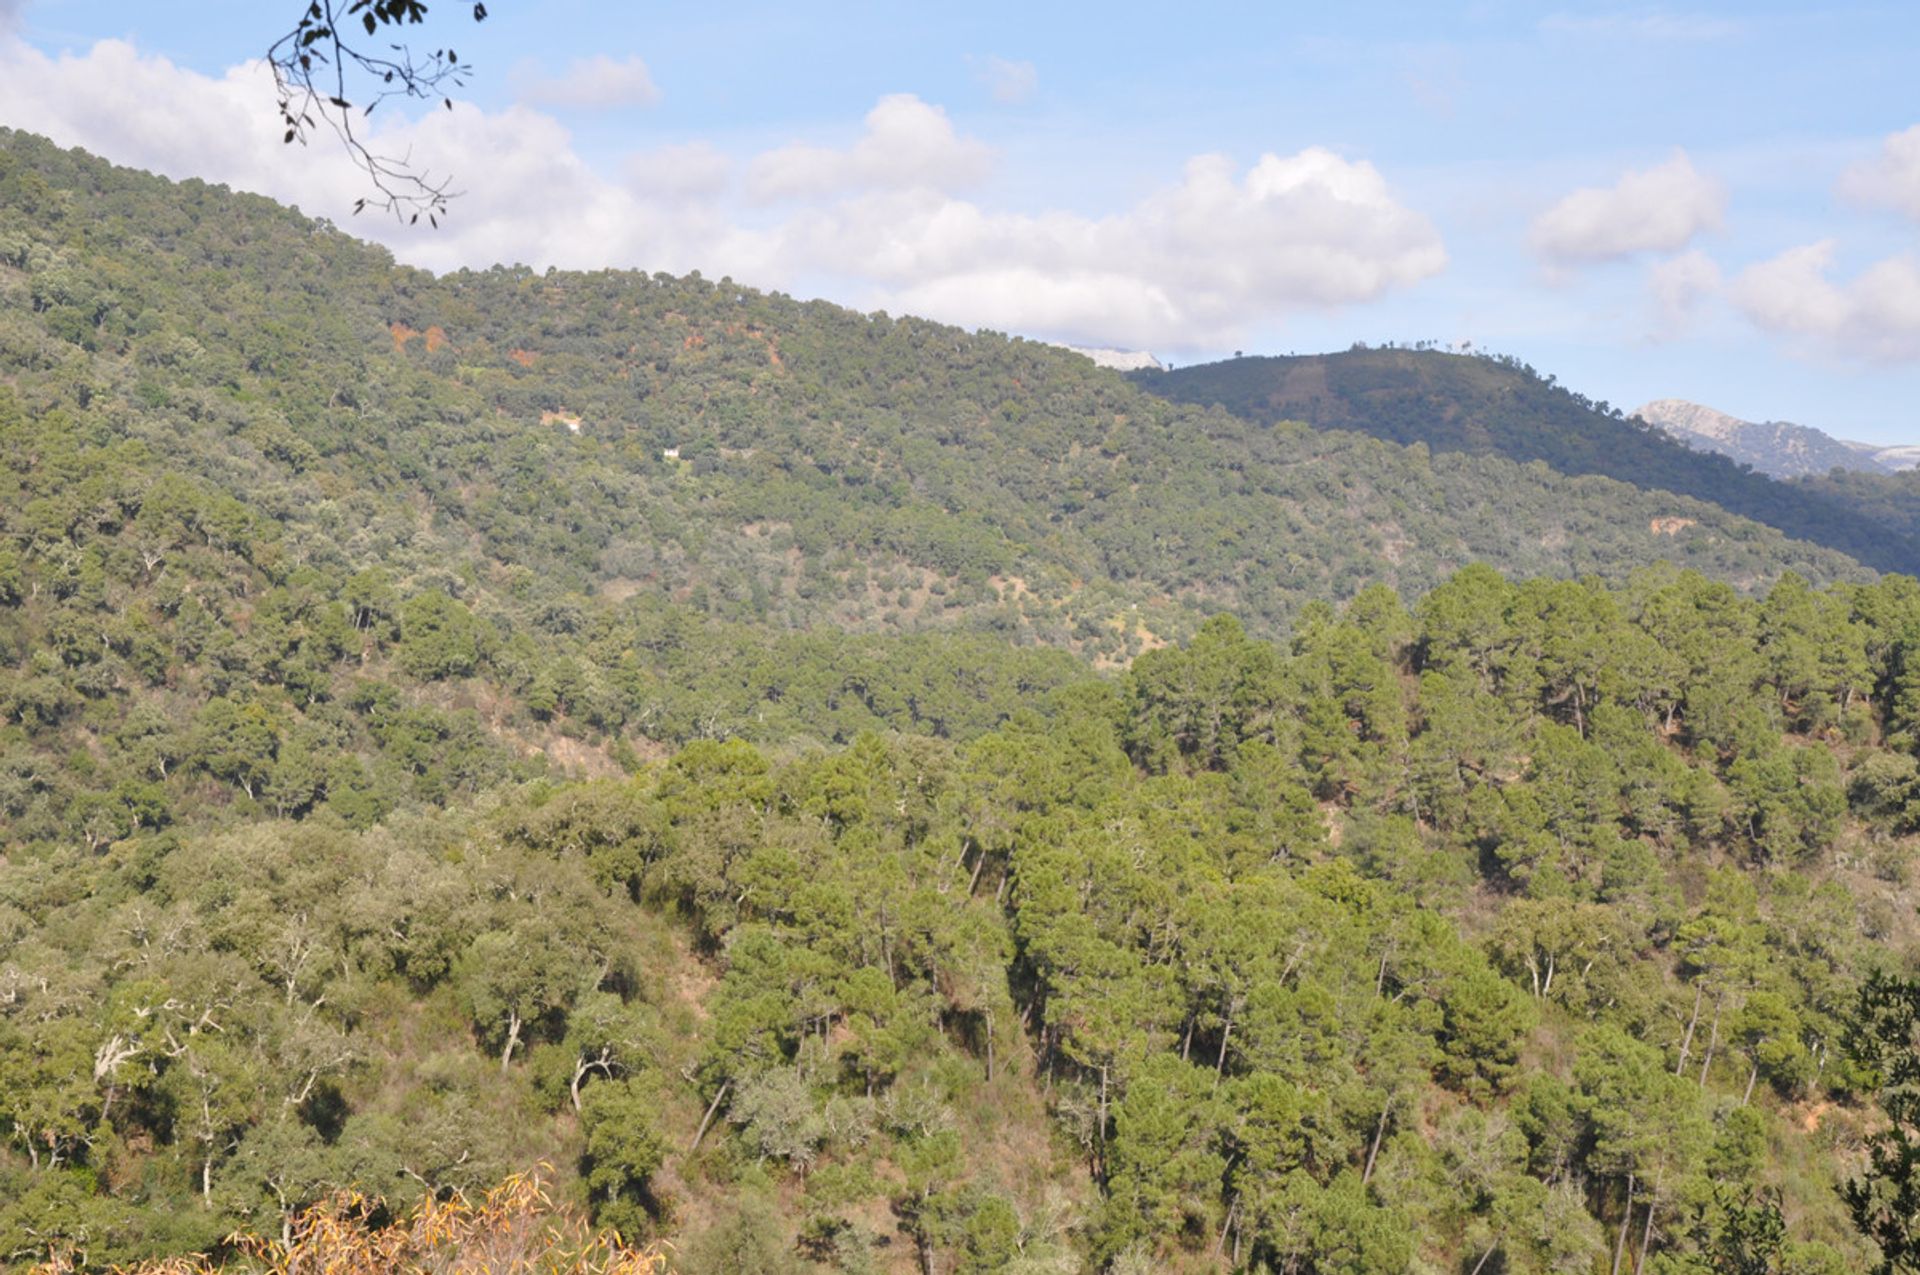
(1752, 1076)
(707, 1119)
(513, 1039)
(1626, 1219)
(1220, 1064)
(925, 1243)
(1713, 1040)
(989, 1048)
(1646, 1236)
(1686, 1042)
(1373, 1152)
(1226, 1227)
(1491, 1250)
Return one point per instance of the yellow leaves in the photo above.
(516, 1229)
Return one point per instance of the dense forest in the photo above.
(1893, 500)
(800, 776)
(1494, 405)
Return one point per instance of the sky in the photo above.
(1717, 202)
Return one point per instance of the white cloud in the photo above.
(1875, 316)
(1009, 82)
(1190, 264)
(527, 197)
(146, 112)
(907, 143)
(1657, 209)
(597, 83)
(1678, 286)
(686, 171)
(1194, 264)
(1890, 179)
(10, 11)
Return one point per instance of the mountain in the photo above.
(826, 469)
(1483, 406)
(795, 775)
(1778, 449)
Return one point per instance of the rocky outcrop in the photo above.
(1779, 449)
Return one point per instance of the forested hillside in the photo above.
(1893, 500)
(1521, 922)
(1494, 406)
(790, 772)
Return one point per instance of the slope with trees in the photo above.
(1497, 406)
(809, 842)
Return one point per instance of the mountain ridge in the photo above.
(1485, 405)
(1779, 449)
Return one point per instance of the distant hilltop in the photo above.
(1120, 360)
(1779, 449)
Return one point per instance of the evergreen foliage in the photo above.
(813, 843)
(1491, 405)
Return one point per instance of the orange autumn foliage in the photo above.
(516, 1229)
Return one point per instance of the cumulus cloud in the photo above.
(1218, 249)
(1190, 264)
(1890, 179)
(1656, 209)
(598, 83)
(1678, 287)
(907, 143)
(526, 195)
(1875, 316)
(1009, 82)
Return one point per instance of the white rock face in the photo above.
(1119, 360)
(1778, 448)
(1676, 414)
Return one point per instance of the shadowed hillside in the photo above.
(1498, 407)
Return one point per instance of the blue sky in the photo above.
(1191, 180)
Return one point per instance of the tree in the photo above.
(515, 977)
(1885, 1200)
(1486, 1020)
(440, 637)
(624, 1149)
(1742, 1236)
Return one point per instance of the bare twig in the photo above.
(321, 76)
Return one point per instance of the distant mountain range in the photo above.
(1779, 449)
